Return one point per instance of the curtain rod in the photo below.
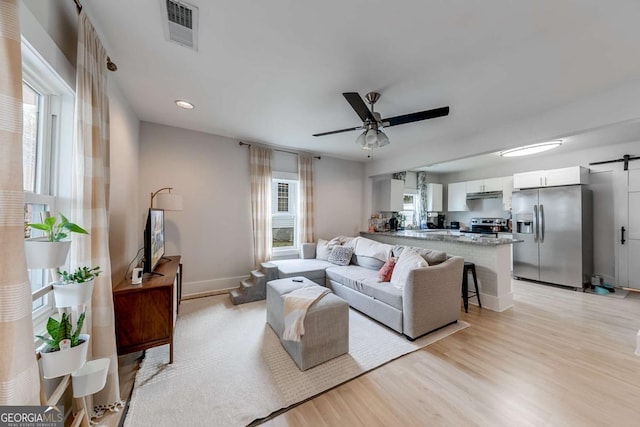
(111, 66)
(277, 149)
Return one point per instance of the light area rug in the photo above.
(230, 369)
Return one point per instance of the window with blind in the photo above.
(283, 218)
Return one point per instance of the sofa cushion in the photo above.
(310, 268)
(365, 281)
(341, 255)
(323, 250)
(432, 257)
(408, 260)
(369, 262)
(371, 248)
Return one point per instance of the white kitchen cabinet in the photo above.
(389, 194)
(566, 176)
(492, 184)
(434, 197)
(484, 185)
(473, 186)
(552, 177)
(457, 197)
(507, 192)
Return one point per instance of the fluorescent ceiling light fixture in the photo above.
(531, 149)
(184, 104)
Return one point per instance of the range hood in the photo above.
(485, 195)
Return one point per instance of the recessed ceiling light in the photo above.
(184, 104)
(531, 149)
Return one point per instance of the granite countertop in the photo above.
(444, 236)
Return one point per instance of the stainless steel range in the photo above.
(488, 226)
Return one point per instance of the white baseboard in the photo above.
(493, 303)
(210, 287)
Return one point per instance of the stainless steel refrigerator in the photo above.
(556, 226)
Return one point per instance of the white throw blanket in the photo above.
(296, 304)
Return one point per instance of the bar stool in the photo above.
(469, 267)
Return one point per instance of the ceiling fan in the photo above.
(372, 123)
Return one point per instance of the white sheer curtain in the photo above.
(19, 378)
(306, 217)
(90, 198)
(260, 170)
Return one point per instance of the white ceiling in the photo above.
(273, 71)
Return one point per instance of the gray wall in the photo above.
(213, 232)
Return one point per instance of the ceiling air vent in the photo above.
(180, 23)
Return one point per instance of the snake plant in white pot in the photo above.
(75, 288)
(66, 349)
(50, 250)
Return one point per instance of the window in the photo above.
(47, 104)
(409, 209)
(283, 218)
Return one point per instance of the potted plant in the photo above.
(75, 288)
(66, 349)
(50, 250)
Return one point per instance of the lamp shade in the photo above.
(168, 201)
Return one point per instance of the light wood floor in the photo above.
(557, 358)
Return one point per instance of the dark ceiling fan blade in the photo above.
(416, 117)
(356, 102)
(337, 131)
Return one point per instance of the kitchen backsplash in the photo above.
(481, 208)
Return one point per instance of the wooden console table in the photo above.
(145, 314)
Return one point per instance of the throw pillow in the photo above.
(432, 257)
(340, 255)
(368, 262)
(384, 275)
(323, 250)
(409, 260)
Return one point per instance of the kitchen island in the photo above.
(492, 257)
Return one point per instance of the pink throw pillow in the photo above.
(385, 272)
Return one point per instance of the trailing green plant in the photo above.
(61, 330)
(56, 231)
(81, 275)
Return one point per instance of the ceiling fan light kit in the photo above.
(373, 137)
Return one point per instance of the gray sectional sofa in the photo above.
(428, 299)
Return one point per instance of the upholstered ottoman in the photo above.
(326, 325)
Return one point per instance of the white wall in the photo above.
(213, 232)
(339, 197)
(124, 228)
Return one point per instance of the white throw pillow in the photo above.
(409, 260)
(323, 250)
(371, 248)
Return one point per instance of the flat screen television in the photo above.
(153, 239)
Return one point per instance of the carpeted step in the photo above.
(270, 270)
(237, 297)
(246, 284)
(249, 291)
(257, 275)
